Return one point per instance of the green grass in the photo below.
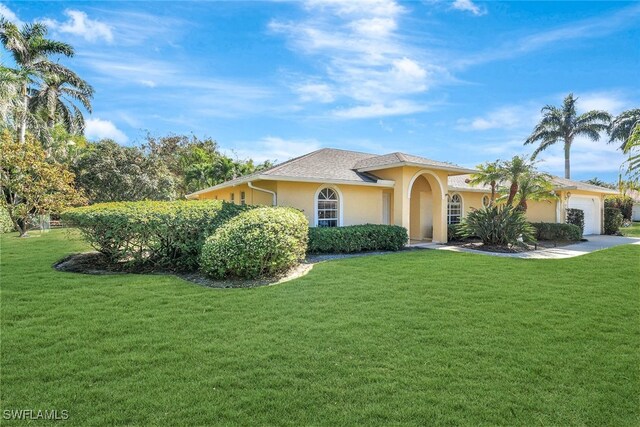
(633, 231)
(424, 337)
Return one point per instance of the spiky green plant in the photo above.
(498, 225)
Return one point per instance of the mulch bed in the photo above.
(477, 245)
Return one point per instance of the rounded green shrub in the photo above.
(576, 217)
(559, 232)
(357, 238)
(258, 243)
(167, 235)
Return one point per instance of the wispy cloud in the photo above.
(366, 60)
(10, 15)
(80, 25)
(584, 29)
(469, 6)
(274, 148)
(504, 118)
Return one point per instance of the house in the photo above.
(338, 187)
(635, 213)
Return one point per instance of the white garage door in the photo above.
(591, 208)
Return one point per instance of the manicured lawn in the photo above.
(633, 231)
(425, 337)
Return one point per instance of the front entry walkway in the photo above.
(594, 243)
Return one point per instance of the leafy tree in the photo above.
(512, 171)
(31, 51)
(563, 125)
(30, 185)
(489, 173)
(536, 186)
(107, 171)
(600, 183)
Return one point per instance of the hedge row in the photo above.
(613, 220)
(623, 203)
(553, 231)
(169, 235)
(356, 238)
(262, 242)
(576, 217)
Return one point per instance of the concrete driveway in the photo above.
(594, 243)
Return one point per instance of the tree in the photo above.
(536, 186)
(31, 51)
(511, 171)
(623, 126)
(564, 125)
(600, 183)
(55, 97)
(489, 173)
(107, 171)
(30, 185)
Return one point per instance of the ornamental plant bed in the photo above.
(95, 263)
(477, 245)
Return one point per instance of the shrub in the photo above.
(498, 225)
(623, 203)
(357, 238)
(6, 225)
(153, 234)
(576, 217)
(261, 242)
(553, 231)
(612, 220)
(454, 233)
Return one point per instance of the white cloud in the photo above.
(364, 58)
(275, 148)
(586, 157)
(611, 102)
(319, 92)
(507, 117)
(79, 24)
(395, 108)
(10, 15)
(98, 129)
(469, 6)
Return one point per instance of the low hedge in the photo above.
(553, 231)
(168, 235)
(259, 243)
(357, 238)
(613, 220)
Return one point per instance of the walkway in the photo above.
(595, 243)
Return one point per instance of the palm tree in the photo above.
(511, 171)
(55, 97)
(489, 173)
(534, 186)
(31, 50)
(563, 125)
(623, 127)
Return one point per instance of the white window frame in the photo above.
(339, 204)
(243, 198)
(233, 198)
(449, 203)
(486, 196)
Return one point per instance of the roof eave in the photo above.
(455, 169)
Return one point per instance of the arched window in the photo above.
(327, 208)
(454, 209)
(485, 200)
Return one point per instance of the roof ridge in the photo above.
(295, 159)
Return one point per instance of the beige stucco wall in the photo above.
(541, 211)
(252, 197)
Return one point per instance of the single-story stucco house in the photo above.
(337, 187)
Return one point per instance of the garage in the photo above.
(591, 208)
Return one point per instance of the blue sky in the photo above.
(458, 81)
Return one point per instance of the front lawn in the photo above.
(422, 337)
(633, 231)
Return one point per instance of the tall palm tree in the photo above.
(55, 97)
(563, 125)
(31, 50)
(489, 173)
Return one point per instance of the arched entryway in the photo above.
(426, 219)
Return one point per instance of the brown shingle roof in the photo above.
(379, 162)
